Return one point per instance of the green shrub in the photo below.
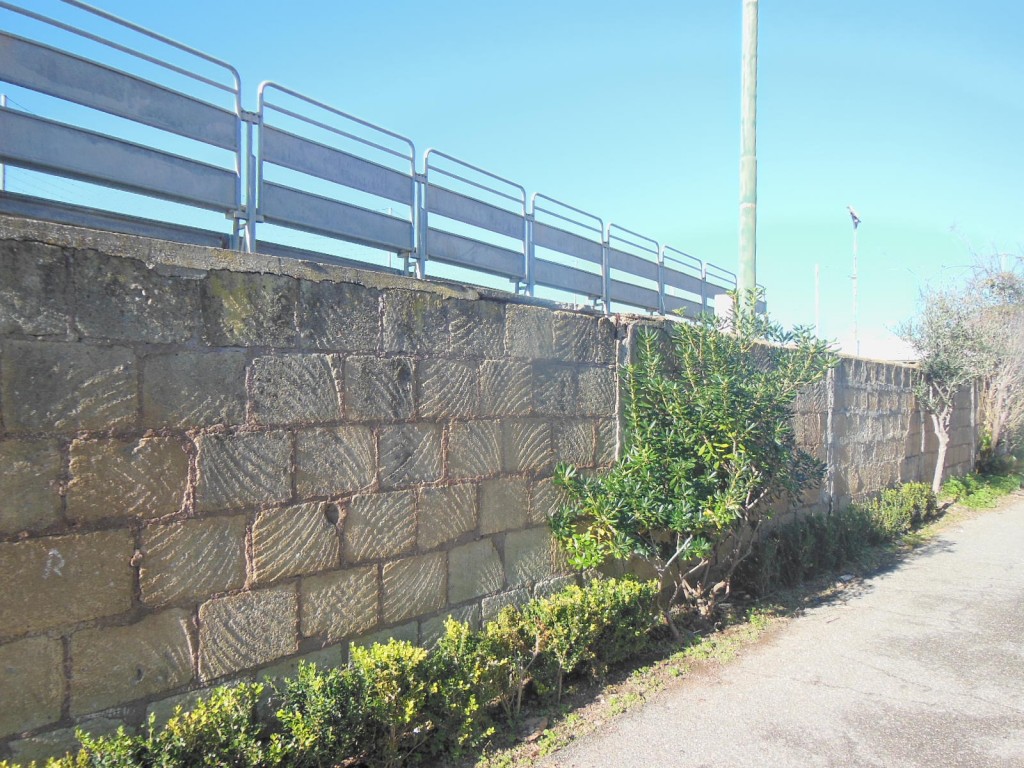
(891, 515)
(321, 716)
(921, 501)
(979, 491)
(222, 731)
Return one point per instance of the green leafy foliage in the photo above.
(709, 449)
(979, 491)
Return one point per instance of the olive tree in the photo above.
(709, 449)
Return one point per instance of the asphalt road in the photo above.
(923, 667)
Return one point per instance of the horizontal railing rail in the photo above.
(301, 166)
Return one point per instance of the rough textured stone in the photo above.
(574, 443)
(243, 309)
(339, 316)
(44, 746)
(474, 570)
(447, 389)
(193, 389)
(529, 556)
(164, 709)
(551, 586)
(596, 392)
(247, 630)
(295, 540)
(380, 525)
(474, 449)
(243, 469)
(340, 605)
(506, 388)
(33, 289)
(135, 478)
(378, 389)
(415, 323)
(119, 664)
(414, 586)
(526, 445)
(529, 332)
(191, 560)
(334, 461)
(31, 684)
(61, 580)
(123, 299)
(445, 514)
(556, 390)
(410, 453)
(504, 503)
(545, 499)
(607, 442)
(29, 485)
(477, 328)
(491, 606)
(575, 337)
(408, 632)
(325, 658)
(57, 386)
(431, 630)
(294, 388)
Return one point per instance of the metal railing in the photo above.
(302, 166)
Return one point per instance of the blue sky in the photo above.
(910, 111)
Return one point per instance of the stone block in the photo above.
(31, 684)
(58, 386)
(331, 657)
(607, 442)
(243, 469)
(144, 478)
(431, 630)
(294, 541)
(504, 504)
(124, 300)
(526, 445)
(378, 389)
(189, 561)
(410, 454)
(529, 556)
(415, 323)
(339, 605)
(556, 390)
(115, 665)
(575, 337)
(164, 709)
(408, 632)
(247, 630)
(447, 389)
(187, 389)
(474, 570)
(545, 500)
(492, 606)
(242, 309)
(596, 392)
(607, 341)
(334, 461)
(474, 449)
(414, 586)
(506, 388)
(289, 389)
(380, 525)
(33, 289)
(339, 316)
(61, 580)
(445, 514)
(477, 328)
(574, 443)
(549, 587)
(529, 332)
(29, 485)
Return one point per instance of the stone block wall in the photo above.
(213, 465)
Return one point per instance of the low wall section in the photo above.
(215, 464)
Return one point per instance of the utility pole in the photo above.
(748, 156)
(856, 221)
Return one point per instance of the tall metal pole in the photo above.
(3, 168)
(748, 154)
(856, 222)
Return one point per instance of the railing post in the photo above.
(661, 281)
(531, 254)
(421, 221)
